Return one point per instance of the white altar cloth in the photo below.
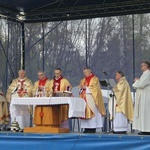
(76, 105)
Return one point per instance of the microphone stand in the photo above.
(113, 98)
(107, 112)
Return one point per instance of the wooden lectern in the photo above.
(47, 119)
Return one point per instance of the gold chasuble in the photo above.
(17, 85)
(64, 83)
(92, 82)
(60, 85)
(41, 83)
(123, 97)
(4, 113)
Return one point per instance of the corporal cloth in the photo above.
(141, 119)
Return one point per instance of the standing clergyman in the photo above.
(60, 84)
(41, 86)
(91, 92)
(123, 109)
(20, 87)
(141, 119)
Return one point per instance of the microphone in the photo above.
(80, 91)
(15, 89)
(104, 72)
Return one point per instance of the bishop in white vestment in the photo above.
(141, 119)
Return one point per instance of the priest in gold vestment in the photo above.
(90, 91)
(20, 87)
(4, 115)
(123, 105)
(60, 84)
(41, 86)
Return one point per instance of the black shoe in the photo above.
(86, 131)
(120, 132)
(90, 130)
(8, 129)
(144, 133)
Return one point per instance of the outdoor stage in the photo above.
(72, 141)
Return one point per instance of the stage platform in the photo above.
(72, 141)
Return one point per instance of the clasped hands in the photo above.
(82, 87)
(136, 79)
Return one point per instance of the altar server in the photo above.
(90, 91)
(141, 119)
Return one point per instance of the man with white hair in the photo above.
(41, 86)
(20, 87)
